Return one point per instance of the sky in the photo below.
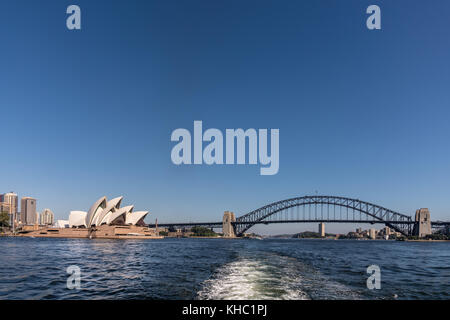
(361, 113)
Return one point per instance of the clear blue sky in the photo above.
(361, 113)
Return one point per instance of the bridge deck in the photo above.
(314, 209)
(219, 224)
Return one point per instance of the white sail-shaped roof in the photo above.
(77, 219)
(135, 217)
(115, 202)
(106, 212)
(128, 209)
(118, 213)
(111, 206)
(96, 208)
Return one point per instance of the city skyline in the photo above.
(361, 114)
(76, 219)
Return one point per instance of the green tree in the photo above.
(203, 232)
(4, 219)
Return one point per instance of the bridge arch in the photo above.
(366, 212)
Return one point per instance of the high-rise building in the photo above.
(8, 203)
(372, 234)
(322, 229)
(3, 206)
(28, 210)
(47, 217)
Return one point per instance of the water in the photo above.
(222, 269)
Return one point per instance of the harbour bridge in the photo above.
(308, 209)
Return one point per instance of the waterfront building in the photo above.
(105, 219)
(387, 232)
(31, 227)
(77, 219)
(372, 234)
(322, 229)
(47, 217)
(353, 235)
(62, 224)
(179, 233)
(28, 210)
(104, 212)
(9, 204)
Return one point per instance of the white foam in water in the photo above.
(271, 277)
(247, 279)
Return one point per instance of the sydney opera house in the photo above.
(104, 212)
(105, 219)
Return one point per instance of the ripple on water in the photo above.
(222, 269)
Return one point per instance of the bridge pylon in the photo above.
(422, 226)
(227, 227)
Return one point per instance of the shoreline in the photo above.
(101, 232)
(143, 237)
(425, 240)
(146, 237)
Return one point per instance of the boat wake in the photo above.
(271, 277)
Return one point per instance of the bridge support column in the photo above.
(227, 227)
(422, 227)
